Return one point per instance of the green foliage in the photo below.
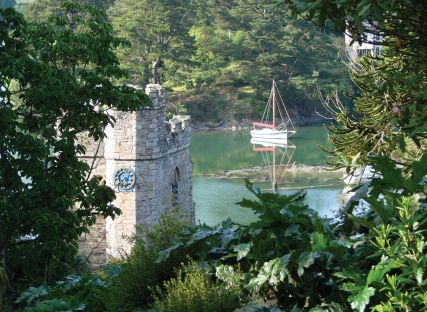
(140, 272)
(290, 251)
(57, 83)
(156, 29)
(390, 115)
(290, 256)
(41, 10)
(3, 284)
(383, 193)
(388, 131)
(75, 293)
(396, 282)
(366, 259)
(214, 51)
(375, 259)
(119, 286)
(193, 291)
(396, 238)
(250, 43)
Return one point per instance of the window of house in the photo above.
(363, 52)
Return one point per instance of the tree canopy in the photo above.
(220, 56)
(58, 80)
(390, 116)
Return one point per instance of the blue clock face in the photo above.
(124, 180)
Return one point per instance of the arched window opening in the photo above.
(175, 187)
(101, 179)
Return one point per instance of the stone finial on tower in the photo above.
(157, 95)
(156, 64)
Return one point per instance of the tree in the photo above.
(238, 52)
(390, 116)
(156, 29)
(41, 10)
(220, 56)
(57, 82)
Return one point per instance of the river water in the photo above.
(215, 152)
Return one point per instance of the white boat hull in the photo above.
(270, 134)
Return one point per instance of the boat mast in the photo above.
(274, 169)
(274, 105)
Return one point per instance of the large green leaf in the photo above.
(242, 250)
(318, 241)
(305, 260)
(360, 297)
(201, 234)
(377, 272)
(271, 273)
(166, 253)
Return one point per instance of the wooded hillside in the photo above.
(220, 56)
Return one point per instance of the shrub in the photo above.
(291, 255)
(74, 293)
(130, 289)
(393, 241)
(193, 291)
(3, 283)
(396, 281)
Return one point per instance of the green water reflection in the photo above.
(216, 150)
(216, 200)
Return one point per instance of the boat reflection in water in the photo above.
(277, 155)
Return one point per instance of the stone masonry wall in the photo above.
(158, 152)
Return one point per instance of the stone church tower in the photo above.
(146, 160)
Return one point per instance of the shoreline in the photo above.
(243, 126)
(295, 172)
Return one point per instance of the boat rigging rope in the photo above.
(266, 113)
(268, 108)
(287, 113)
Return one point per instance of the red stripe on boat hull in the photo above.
(261, 124)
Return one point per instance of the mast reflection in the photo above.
(277, 156)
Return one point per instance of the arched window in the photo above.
(175, 187)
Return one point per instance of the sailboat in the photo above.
(269, 129)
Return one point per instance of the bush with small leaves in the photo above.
(193, 291)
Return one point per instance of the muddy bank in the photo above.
(301, 175)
